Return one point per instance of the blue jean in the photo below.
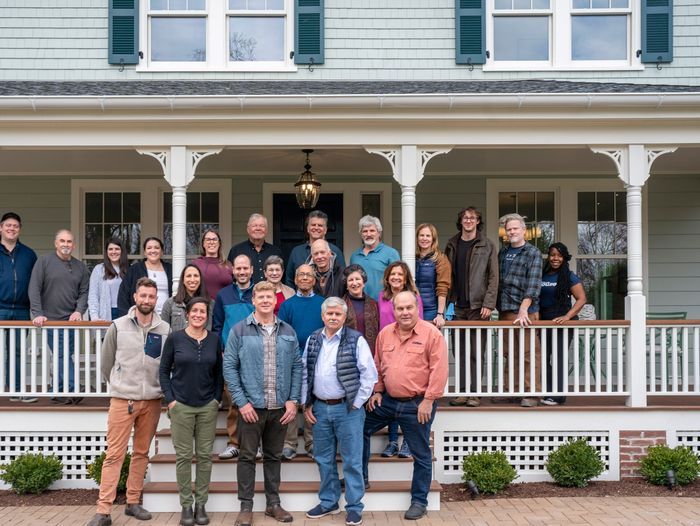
(418, 435)
(338, 425)
(71, 380)
(13, 315)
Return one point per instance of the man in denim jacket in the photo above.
(263, 369)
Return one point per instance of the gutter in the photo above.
(379, 102)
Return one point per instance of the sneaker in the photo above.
(319, 511)
(415, 512)
(229, 452)
(528, 402)
(258, 454)
(549, 401)
(405, 451)
(460, 400)
(15, 399)
(353, 518)
(310, 453)
(28, 399)
(288, 453)
(473, 401)
(391, 450)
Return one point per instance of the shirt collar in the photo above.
(336, 335)
(298, 293)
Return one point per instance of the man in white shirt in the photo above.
(338, 377)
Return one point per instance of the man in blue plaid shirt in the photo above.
(520, 265)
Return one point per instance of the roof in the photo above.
(318, 88)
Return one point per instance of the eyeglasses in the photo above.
(469, 219)
(211, 240)
(305, 275)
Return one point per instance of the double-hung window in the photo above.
(219, 35)
(562, 34)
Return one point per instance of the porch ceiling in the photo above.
(332, 162)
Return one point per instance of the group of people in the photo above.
(354, 348)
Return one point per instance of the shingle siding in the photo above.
(365, 40)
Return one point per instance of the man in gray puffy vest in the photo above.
(131, 361)
(339, 376)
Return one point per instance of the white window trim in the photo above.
(560, 41)
(151, 191)
(217, 42)
(352, 208)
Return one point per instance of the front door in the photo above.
(288, 227)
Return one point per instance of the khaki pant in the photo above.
(511, 316)
(291, 440)
(144, 421)
(188, 423)
(231, 419)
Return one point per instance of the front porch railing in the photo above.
(673, 357)
(593, 363)
(27, 359)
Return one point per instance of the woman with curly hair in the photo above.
(559, 284)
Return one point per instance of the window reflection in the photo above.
(521, 38)
(178, 39)
(256, 38)
(605, 283)
(601, 37)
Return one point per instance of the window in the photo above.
(602, 251)
(111, 214)
(197, 35)
(538, 210)
(202, 213)
(563, 34)
(134, 209)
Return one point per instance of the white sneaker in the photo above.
(259, 454)
(229, 452)
(28, 399)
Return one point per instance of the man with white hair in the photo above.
(520, 266)
(374, 256)
(328, 272)
(58, 291)
(255, 247)
(338, 378)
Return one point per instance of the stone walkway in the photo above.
(632, 511)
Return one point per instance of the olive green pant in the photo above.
(189, 423)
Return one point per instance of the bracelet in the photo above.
(440, 314)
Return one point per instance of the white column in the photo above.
(633, 164)
(408, 164)
(179, 164)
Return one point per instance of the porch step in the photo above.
(300, 469)
(388, 495)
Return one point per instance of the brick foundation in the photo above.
(633, 447)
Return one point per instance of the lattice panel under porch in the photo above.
(527, 452)
(689, 439)
(75, 450)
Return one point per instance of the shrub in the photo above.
(94, 470)
(32, 473)
(574, 464)
(660, 459)
(489, 470)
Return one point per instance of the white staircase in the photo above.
(390, 480)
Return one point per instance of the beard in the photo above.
(145, 308)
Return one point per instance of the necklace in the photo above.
(199, 336)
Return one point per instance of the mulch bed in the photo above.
(624, 488)
(58, 497)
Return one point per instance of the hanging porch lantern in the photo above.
(308, 189)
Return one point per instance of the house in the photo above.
(166, 116)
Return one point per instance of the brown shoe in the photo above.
(100, 519)
(245, 518)
(460, 400)
(278, 513)
(473, 401)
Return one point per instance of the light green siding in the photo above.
(674, 244)
(365, 40)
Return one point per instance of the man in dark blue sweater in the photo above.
(16, 263)
(303, 312)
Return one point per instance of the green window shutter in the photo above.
(308, 32)
(123, 31)
(657, 31)
(470, 31)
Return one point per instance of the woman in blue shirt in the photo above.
(558, 285)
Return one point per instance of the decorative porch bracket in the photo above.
(408, 164)
(179, 165)
(633, 163)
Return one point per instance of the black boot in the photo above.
(200, 514)
(186, 516)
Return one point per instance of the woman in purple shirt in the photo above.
(216, 270)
